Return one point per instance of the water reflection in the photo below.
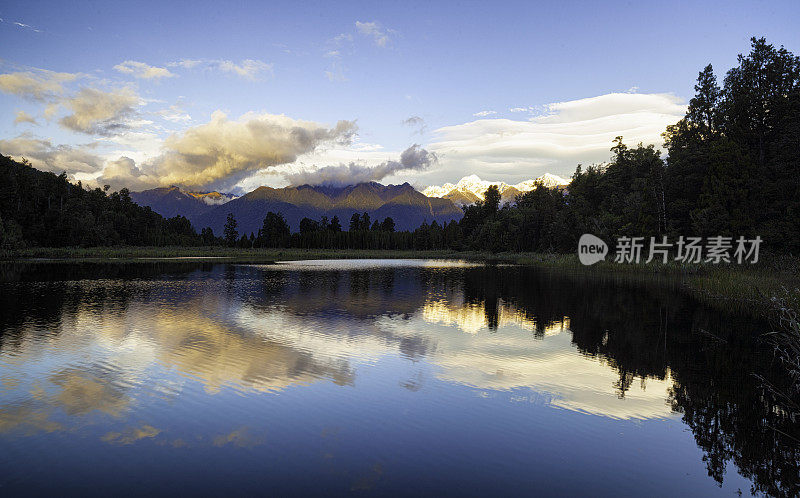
(100, 346)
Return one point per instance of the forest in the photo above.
(47, 210)
(731, 167)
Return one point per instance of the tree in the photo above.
(207, 235)
(364, 224)
(274, 231)
(491, 200)
(387, 225)
(307, 225)
(48, 210)
(335, 226)
(703, 106)
(355, 222)
(231, 234)
(10, 236)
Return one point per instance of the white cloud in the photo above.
(482, 114)
(418, 123)
(100, 113)
(186, 63)
(93, 111)
(341, 38)
(374, 30)
(335, 71)
(144, 71)
(248, 68)
(577, 131)
(24, 117)
(21, 25)
(45, 156)
(222, 152)
(38, 85)
(413, 158)
(123, 173)
(175, 114)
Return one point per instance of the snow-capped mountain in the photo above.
(471, 188)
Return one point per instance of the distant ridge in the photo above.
(471, 188)
(173, 201)
(405, 205)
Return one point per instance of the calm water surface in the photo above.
(378, 377)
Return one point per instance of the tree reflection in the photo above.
(642, 329)
(715, 360)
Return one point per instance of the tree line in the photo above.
(43, 209)
(732, 168)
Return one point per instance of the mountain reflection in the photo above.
(80, 342)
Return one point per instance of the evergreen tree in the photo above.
(491, 199)
(703, 106)
(230, 231)
(274, 231)
(335, 226)
(387, 225)
(355, 222)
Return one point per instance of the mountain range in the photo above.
(405, 205)
(173, 201)
(408, 207)
(471, 188)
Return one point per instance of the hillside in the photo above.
(172, 201)
(408, 207)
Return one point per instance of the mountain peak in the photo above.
(471, 188)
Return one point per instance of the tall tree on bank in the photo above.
(733, 161)
(274, 231)
(230, 231)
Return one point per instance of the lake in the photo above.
(380, 378)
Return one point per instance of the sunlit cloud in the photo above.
(91, 110)
(37, 85)
(98, 112)
(556, 141)
(223, 151)
(24, 117)
(483, 114)
(45, 156)
(174, 114)
(249, 69)
(143, 71)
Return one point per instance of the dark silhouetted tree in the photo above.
(230, 230)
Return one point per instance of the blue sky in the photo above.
(457, 78)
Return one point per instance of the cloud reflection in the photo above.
(280, 328)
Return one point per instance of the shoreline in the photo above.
(748, 288)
